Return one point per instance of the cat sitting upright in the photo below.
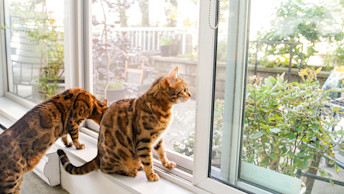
(23, 144)
(131, 128)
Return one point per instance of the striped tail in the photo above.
(71, 169)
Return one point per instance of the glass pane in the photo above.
(134, 42)
(35, 50)
(220, 140)
(292, 135)
(291, 126)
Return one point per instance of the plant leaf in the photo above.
(337, 168)
(273, 156)
(331, 181)
(335, 109)
(318, 70)
(275, 130)
(304, 164)
(257, 135)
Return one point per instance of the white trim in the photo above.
(87, 49)
(177, 180)
(252, 188)
(234, 92)
(11, 110)
(204, 96)
(182, 160)
(22, 101)
(2, 50)
(237, 44)
(73, 44)
(217, 187)
(177, 172)
(242, 37)
(8, 64)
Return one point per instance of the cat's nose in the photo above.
(189, 94)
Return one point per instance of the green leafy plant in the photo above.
(46, 37)
(166, 40)
(185, 145)
(289, 124)
(115, 85)
(50, 45)
(51, 48)
(301, 25)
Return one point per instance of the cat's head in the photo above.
(99, 109)
(174, 87)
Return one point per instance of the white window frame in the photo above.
(3, 79)
(234, 94)
(181, 160)
(5, 60)
(79, 70)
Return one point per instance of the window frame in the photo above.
(3, 81)
(79, 68)
(206, 73)
(235, 84)
(182, 161)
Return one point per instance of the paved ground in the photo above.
(32, 184)
(321, 187)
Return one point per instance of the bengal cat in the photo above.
(24, 143)
(132, 127)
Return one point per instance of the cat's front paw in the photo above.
(153, 177)
(140, 167)
(69, 144)
(133, 173)
(80, 146)
(170, 164)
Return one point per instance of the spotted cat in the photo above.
(23, 144)
(132, 127)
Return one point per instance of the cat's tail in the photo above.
(71, 169)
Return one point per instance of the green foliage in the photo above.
(219, 110)
(115, 85)
(306, 23)
(166, 40)
(50, 42)
(282, 118)
(222, 51)
(42, 30)
(186, 144)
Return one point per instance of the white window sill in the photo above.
(168, 183)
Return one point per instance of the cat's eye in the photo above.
(173, 93)
(184, 90)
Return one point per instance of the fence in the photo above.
(147, 39)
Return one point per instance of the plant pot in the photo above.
(113, 95)
(165, 50)
(174, 49)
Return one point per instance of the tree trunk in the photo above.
(309, 181)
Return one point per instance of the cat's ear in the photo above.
(174, 75)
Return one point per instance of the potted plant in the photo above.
(115, 91)
(165, 45)
(49, 42)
